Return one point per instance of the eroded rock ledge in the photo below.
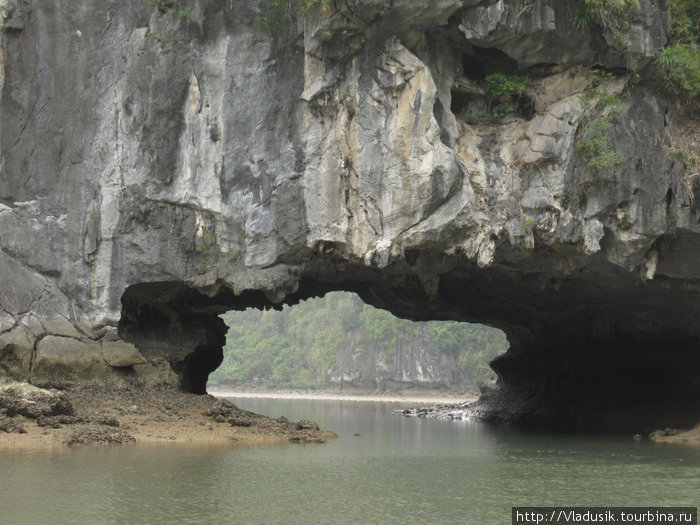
(158, 170)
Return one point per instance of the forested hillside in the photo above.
(336, 340)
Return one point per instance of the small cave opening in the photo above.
(473, 68)
(526, 106)
(489, 88)
(479, 62)
(460, 102)
(337, 342)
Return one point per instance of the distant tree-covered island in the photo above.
(338, 341)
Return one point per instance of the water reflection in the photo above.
(399, 470)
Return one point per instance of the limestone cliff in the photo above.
(161, 166)
(416, 362)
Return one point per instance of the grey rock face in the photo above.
(158, 170)
(556, 31)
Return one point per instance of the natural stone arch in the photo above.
(586, 348)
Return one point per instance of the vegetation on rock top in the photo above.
(612, 15)
(679, 62)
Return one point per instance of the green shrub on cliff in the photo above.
(685, 21)
(502, 92)
(594, 145)
(680, 67)
(612, 15)
(499, 85)
(602, 109)
(679, 63)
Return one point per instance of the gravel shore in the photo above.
(132, 411)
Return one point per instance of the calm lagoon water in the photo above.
(399, 470)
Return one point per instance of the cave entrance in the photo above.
(583, 353)
(323, 340)
(489, 87)
(339, 342)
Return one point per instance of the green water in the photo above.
(399, 470)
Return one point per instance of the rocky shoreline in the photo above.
(135, 411)
(422, 397)
(451, 411)
(470, 410)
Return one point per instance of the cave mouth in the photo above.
(478, 62)
(189, 329)
(590, 350)
(338, 342)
